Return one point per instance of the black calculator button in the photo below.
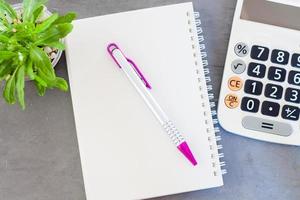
(260, 53)
(296, 60)
(253, 87)
(270, 108)
(290, 112)
(294, 78)
(277, 74)
(280, 57)
(292, 95)
(250, 105)
(256, 70)
(273, 91)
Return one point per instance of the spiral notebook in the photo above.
(125, 153)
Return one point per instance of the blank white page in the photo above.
(125, 153)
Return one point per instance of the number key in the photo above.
(292, 95)
(256, 70)
(277, 74)
(250, 105)
(253, 87)
(273, 91)
(280, 57)
(294, 78)
(296, 60)
(259, 53)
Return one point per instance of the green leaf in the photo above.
(20, 85)
(24, 32)
(29, 70)
(33, 76)
(45, 73)
(6, 9)
(68, 18)
(61, 84)
(54, 34)
(29, 6)
(6, 68)
(37, 13)
(57, 45)
(30, 73)
(4, 22)
(4, 39)
(5, 55)
(46, 24)
(40, 81)
(2, 27)
(42, 62)
(41, 89)
(49, 82)
(9, 89)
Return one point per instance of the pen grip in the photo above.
(173, 133)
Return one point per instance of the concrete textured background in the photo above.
(39, 158)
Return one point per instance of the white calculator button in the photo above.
(238, 66)
(267, 126)
(241, 49)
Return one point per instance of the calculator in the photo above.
(260, 92)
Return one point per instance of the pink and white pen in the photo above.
(143, 87)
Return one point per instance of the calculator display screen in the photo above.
(268, 12)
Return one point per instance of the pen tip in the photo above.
(186, 151)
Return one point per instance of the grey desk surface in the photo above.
(39, 157)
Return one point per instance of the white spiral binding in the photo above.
(211, 137)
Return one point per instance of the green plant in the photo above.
(23, 38)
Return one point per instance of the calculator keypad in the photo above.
(270, 108)
(241, 49)
(259, 53)
(238, 66)
(292, 95)
(257, 70)
(273, 91)
(296, 60)
(253, 87)
(280, 57)
(250, 104)
(294, 78)
(290, 112)
(277, 74)
(271, 88)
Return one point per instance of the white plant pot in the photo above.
(47, 14)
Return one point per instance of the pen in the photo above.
(143, 87)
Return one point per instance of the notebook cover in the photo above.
(125, 154)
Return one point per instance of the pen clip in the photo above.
(139, 73)
(111, 47)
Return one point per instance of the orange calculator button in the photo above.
(235, 83)
(232, 101)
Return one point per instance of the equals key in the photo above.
(267, 125)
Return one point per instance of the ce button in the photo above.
(235, 83)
